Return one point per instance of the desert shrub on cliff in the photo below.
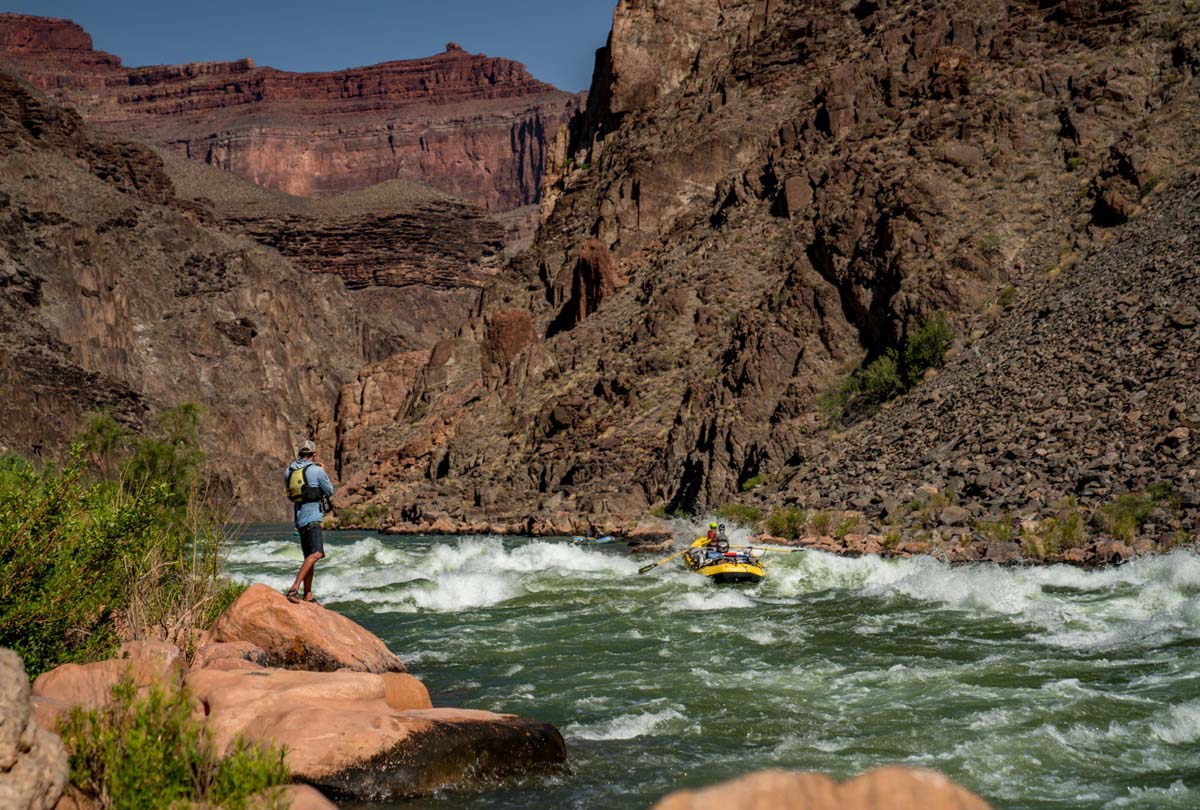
(150, 752)
(96, 552)
(741, 514)
(890, 374)
(787, 522)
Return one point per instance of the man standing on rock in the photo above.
(308, 488)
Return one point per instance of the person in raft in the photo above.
(309, 489)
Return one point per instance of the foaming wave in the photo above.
(1181, 725)
(1177, 795)
(452, 593)
(721, 600)
(626, 726)
(247, 552)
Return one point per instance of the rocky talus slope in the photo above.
(759, 197)
(114, 295)
(467, 124)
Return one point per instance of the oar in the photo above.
(651, 566)
(782, 549)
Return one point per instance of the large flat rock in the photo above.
(373, 737)
(302, 635)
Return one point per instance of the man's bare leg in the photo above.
(305, 574)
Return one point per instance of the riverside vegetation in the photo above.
(125, 542)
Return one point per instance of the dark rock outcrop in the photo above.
(116, 296)
(790, 190)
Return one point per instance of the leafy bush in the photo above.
(741, 514)
(81, 555)
(787, 522)
(1125, 516)
(821, 523)
(880, 381)
(926, 348)
(754, 481)
(151, 753)
(892, 373)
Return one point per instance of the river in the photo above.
(1037, 688)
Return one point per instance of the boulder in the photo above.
(890, 788)
(33, 762)
(230, 655)
(149, 663)
(293, 797)
(373, 737)
(302, 635)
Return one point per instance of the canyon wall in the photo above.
(466, 124)
(761, 196)
(117, 296)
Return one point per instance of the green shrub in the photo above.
(1125, 516)
(880, 380)
(787, 522)
(998, 531)
(821, 522)
(754, 481)
(926, 348)
(140, 753)
(845, 526)
(892, 373)
(741, 514)
(82, 555)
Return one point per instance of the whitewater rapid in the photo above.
(1048, 687)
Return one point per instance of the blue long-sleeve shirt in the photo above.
(307, 513)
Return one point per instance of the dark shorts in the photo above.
(310, 539)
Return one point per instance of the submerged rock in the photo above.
(302, 635)
(891, 788)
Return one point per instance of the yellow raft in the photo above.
(730, 567)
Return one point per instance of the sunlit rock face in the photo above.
(466, 124)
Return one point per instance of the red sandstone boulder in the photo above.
(293, 797)
(373, 737)
(302, 635)
(891, 788)
(149, 663)
(33, 763)
(230, 655)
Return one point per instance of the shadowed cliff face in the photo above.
(114, 295)
(783, 189)
(466, 124)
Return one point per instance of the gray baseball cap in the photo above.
(307, 448)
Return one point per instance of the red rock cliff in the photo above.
(463, 123)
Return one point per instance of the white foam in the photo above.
(711, 600)
(625, 726)
(1180, 725)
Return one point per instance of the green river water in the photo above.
(1035, 687)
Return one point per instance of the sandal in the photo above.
(312, 600)
(293, 595)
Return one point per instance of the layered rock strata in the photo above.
(413, 259)
(788, 190)
(467, 124)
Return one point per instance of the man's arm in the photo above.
(324, 483)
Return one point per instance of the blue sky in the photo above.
(557, 39)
